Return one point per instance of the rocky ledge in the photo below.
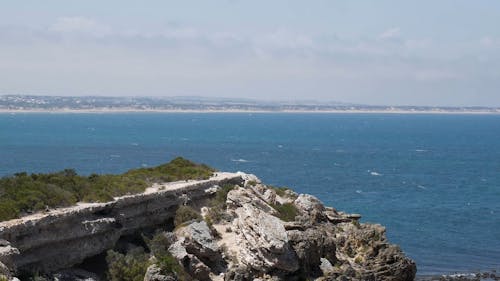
(258, 232)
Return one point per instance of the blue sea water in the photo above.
(432, 180)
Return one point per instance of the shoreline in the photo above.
(488, 275)
(208, 111)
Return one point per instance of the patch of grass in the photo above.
(23, 193)
(185, 214)
(286, 211)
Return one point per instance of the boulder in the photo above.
(7, 255)
(311, 245)
(263, 241)
(192, 265)
(74, 274)
(311, 209)
(153, 273)
(198, 240)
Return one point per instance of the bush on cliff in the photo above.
(177, 169)
(185, 214)
(24, 193)
(286, 211)
(129, 267)
(217, 210)
(158, 246)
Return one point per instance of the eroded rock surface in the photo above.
(259, 233)
(61, 238)
(319, 244)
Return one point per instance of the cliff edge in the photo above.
(229, 227)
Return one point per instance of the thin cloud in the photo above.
(80, 25)
(391, 33)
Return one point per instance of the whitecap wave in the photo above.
(240, 160)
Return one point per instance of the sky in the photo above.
(437, 53)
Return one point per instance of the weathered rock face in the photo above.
(153, 273)
(262, 239)
(262, 233)
(197, 251)
(320, 243)
(64, 237)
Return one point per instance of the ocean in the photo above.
(432, 179)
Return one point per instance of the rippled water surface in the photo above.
(433, 180)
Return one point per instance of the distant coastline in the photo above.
(339, 111)
(90, 104)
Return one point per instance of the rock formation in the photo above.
(318, 244)
(64, 237)
(258, 233)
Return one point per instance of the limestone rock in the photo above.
(239, 273)
(194, 266)
(364, 249)
(311, 208)
(64, 237)
(199, 241)
(4, 271)
(8, 254)
(269, 196)
(74, 275)
(311, 245)
(247, 196)
(153, 273)
(264, 241)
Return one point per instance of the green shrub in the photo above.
(286, 211)
(185, 214)
(129, 267)
(159, 244)
(177, 169)
(22, 193)
(252, 183)
(8, 209)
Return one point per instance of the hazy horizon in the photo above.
(430, 53)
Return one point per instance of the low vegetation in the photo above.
(23, 193)
(133, 265)
(217, 211)
(284, 192)
(127, 267)
(286, 211)
(185, 214)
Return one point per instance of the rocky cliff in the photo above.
(60, 238)
(250, 231)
